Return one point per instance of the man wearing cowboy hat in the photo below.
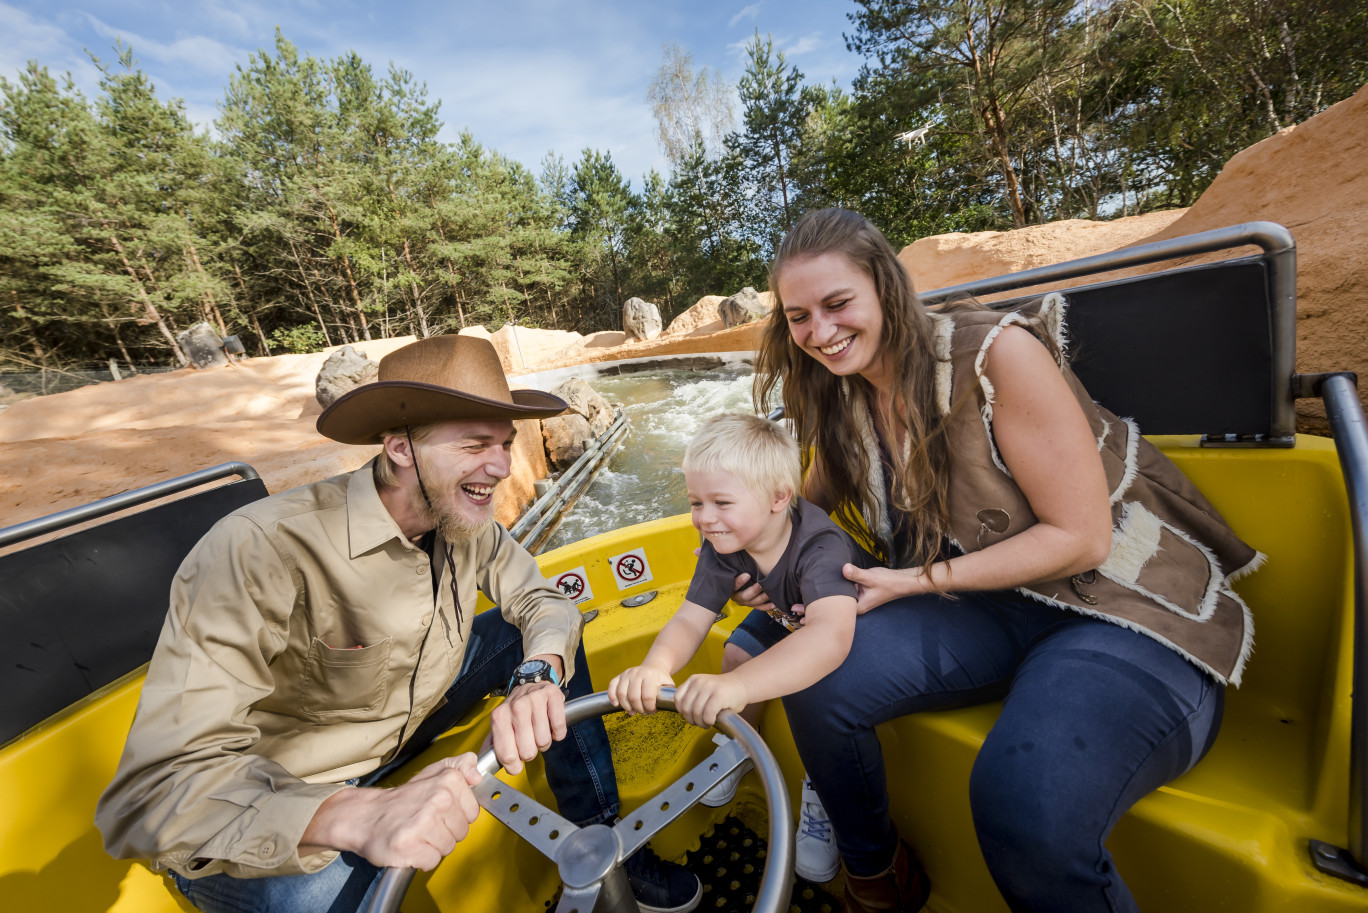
(322, 637)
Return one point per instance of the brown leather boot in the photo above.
(902, 889)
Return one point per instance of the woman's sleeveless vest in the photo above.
(1172, 557)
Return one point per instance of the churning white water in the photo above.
(643, 480)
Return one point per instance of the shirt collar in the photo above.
(369, 524)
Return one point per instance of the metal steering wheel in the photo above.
(590, 858)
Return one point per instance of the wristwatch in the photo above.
(533, 670)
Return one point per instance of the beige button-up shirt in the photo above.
(303, 646)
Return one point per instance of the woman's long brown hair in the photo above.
(822, 414)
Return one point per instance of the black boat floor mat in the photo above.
(730, 860)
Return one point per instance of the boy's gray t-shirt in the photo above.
(808, 570)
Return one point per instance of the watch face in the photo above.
(532, 670)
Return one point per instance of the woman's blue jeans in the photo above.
(1094, 717)
(579, 770)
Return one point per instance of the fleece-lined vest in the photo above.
(1172, 557)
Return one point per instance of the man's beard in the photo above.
(451, 524)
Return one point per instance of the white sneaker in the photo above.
(725, 790)
(815, 856)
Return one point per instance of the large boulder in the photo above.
(584, 400)
(202, 345)
(604, 339)
(566, 436)
(344, 369)
(746, 306)
(703, 315)
(524, 348)
(640, 320)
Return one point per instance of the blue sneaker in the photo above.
(660, 886)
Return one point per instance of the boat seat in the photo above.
(81, 616)
(85, 609)
(1233, 832)
(1204, 350)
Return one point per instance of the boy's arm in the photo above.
(635, 689)
(798, 661)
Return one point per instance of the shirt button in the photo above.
(267, 849)
(426, 622)
(420, 569)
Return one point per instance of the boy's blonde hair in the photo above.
(755, 450)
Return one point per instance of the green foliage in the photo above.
(328, 211)
(300, 339)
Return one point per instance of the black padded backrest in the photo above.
(1186, 351)
(79, 612)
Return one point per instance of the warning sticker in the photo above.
(631, 568)
(573, 585)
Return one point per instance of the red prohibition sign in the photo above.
(630, 567)
(570, 583)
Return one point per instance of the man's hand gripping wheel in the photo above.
(590, 858)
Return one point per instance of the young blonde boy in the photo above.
(742, 473)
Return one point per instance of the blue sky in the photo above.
(525, 76)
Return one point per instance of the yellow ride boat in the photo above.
(1273, 819)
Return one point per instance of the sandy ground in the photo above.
(61, 451)
(64, 450)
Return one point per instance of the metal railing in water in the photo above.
(540, 520)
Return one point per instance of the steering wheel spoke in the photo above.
(524, 816)
(680, 796)
(590, 858)
(579, 900)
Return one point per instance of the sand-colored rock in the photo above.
(566, 436)
(940, 261)
(641, 319)
(343, 371)
(746, 306)
(604, 338)
(703, 313)
(520, 348)
(587, 402)
(255, 389)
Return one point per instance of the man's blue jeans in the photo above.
(579, 770)
(1094, 717)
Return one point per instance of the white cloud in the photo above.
(802, 45)
(527, 103)
(197, 52)
(28, 37)
(232, 21)
(746, 12)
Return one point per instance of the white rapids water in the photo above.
(642, 480)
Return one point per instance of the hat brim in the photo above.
(359, 416)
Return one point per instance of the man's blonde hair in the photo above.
(755, 450)
(385, 470)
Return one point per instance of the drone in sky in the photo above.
(917, 136)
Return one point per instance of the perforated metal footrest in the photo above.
(729, 861)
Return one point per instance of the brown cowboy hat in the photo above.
(438, 379)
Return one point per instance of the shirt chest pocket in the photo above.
(345, 685)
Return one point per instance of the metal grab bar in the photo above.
(115, 503)
(1349, 429)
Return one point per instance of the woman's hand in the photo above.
(635, 689)
(877, 585)
(700, 699)
(753, 596)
